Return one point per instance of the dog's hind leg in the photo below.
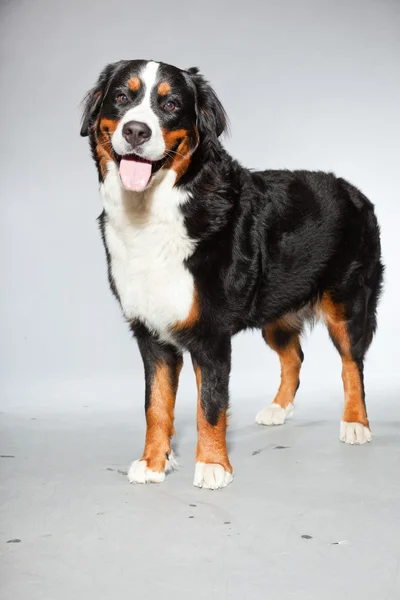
(351, 326)
(283, 336)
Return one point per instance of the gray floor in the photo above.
(306, 517)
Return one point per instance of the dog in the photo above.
(200, 248)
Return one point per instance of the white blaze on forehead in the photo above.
(154, 148)
(148, 75)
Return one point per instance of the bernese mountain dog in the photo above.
(200, 248)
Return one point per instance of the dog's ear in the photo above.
(212, 120)
(93, 100)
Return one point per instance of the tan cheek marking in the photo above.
(179, 161)
(134, 84)
(103, 158)
(108, 125)
(172, 137)
(103, 143)
(211, 446)
(164, 88)
(160, 418)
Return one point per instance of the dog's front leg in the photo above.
(162, 366)
(211, 361)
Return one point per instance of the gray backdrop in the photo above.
(307, 84)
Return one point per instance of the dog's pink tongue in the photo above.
(135, 174)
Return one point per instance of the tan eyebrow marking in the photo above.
(134, 84)
(164, 88)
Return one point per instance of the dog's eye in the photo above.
(122, 99)
(170, 106)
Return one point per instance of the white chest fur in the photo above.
(148, 243)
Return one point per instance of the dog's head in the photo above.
(145, 116)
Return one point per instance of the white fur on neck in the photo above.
(148, 244)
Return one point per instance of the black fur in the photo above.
(153, 355)
(273, 242)
(268, 243)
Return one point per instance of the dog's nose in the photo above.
(136, 133)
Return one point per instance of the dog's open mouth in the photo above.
(135, 172)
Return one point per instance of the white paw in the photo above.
(273, 414)
(211, 476)
(354, 433)
(139, 473)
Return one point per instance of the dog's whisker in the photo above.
(169, 152)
